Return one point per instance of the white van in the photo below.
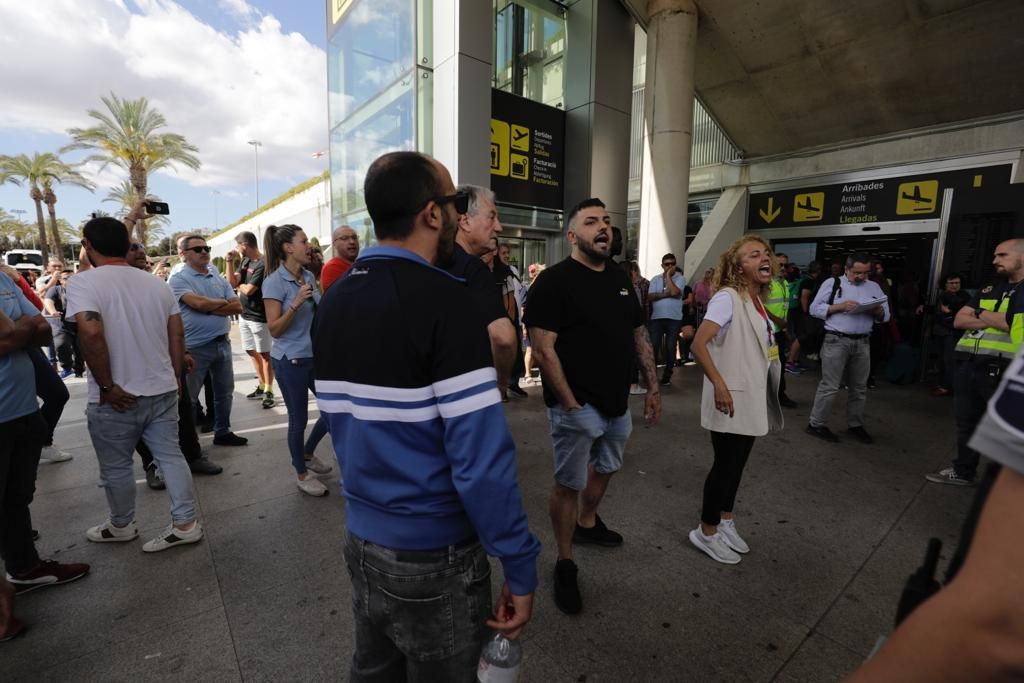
(25, 259)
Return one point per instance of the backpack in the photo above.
(835, 289)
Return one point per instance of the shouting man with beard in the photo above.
(585, 326)
(429, 466)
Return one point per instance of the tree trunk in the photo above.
(44, 247)
(139, 181)
(51, 205)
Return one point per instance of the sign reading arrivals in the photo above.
(527, 151)
(866, 201)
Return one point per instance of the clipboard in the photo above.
(868, 305)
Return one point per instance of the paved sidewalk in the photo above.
(834, 533)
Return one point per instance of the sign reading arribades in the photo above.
(527, 151)
(866, 201)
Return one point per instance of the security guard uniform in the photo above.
(778, 305)
(982, 358)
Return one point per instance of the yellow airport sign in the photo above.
(808, 207)
(338, 9)
(520, 166)
(520, 138)
(499, 147)
(918, 197)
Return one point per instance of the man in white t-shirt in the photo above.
(131, 332)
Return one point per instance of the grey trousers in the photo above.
(837, 355)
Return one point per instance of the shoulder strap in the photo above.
(835, 288)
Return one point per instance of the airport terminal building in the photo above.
(828, 126)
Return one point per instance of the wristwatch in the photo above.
(977, 312)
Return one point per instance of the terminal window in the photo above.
(529, 50)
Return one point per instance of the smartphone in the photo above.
(158, 209)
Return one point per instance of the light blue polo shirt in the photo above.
(17, 375)
(201, 328)
(296, 341)
(671, 309)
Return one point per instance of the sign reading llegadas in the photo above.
(527, 151)
(917, 197)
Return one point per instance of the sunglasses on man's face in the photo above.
(199, 250)
(136, 247)
(460, 200)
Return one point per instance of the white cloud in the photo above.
(217, 89)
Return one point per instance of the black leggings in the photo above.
(731, 453)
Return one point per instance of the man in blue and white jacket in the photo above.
(405, 378)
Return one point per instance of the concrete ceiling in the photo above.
(782, 75)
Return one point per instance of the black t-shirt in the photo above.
(594, 314)
(481, 282)
(251, 272)
(689, 310)
(954, 301)
(57, 295)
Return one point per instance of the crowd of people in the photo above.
(427, 460)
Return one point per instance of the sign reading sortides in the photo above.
(527, 151)
(866, 201)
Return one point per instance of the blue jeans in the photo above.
(586, 437)
(419, 615)
(114, 435)
(214, 357)
(664, 333)
(295, 379)
(49, 387)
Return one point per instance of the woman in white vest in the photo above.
(736, 347)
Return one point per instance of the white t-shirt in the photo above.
(135, 307)
(720, 312)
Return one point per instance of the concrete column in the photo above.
(598, 99)
(668, 131)
(463, 54)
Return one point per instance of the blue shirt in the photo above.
(17, 375)
(295, 341)
(201, 328)
(668, 308)
(848, 323)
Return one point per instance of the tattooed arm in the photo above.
(543, 343)
(645, 354)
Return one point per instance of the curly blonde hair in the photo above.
(729, 272)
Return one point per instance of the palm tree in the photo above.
(127, 135)
(68, 176)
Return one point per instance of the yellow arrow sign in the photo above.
(771, 214)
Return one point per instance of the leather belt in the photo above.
(844, 335)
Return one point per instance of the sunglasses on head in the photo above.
(199, 250)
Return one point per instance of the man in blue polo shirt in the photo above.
(206, 300)
(22, 432)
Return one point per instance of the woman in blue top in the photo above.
(290, 298)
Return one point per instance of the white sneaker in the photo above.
(636, 390)
(318, 466)
(727, 530)
(54, 454)
(311, 486)
(714, 546)
(108, 533)
(173, 536)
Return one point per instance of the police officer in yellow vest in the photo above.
(777, 307)
(994, 324)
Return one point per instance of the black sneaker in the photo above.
(823, 433)
(787, 402)
(230, 439)
(598, 534)
(514, 388)
(268, 400)
(567, 590)
(666, 381)
(154, 479)
(204, 465)
(257, 393)
(860, 434)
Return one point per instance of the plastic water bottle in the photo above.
(500, 660)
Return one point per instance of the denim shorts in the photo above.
(583, 437)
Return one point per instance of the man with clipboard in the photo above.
(850, 304)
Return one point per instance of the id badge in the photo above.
(773, 352)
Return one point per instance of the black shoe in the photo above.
(787, 402)
(154, 480)
(514, 388)
(598, 534)
(268, 400)
(567, 590)
(666, 381)
(823, 433)
(860, 434)
(871, 383)
(204, 465)
(257, 393)
(206, 426)
(35, 535)
(230, 439)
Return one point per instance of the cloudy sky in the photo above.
(221, 71)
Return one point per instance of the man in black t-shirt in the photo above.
(247, 277)
(475, 238)
(55, 302)
(585, 325)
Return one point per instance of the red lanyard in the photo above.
(764, 314)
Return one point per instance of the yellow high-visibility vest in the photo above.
(992, 341)
(778, 300)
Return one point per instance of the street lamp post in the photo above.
(22, 212)
(256, 144)
(216, 222)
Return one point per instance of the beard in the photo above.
(591, 250)
(446, 242)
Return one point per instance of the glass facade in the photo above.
(380, 95)
(529, 50)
